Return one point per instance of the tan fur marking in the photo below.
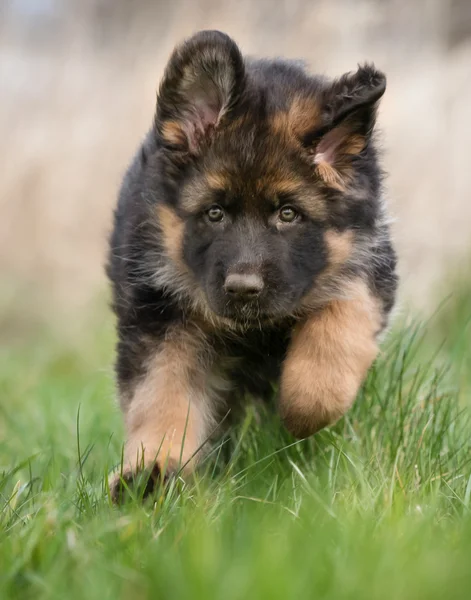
(172, 232)
(280, 123)
(217, 181)
(331, 176)
(340, 246)
(354, 144)
(328, 358)
(302, 116)
(273, 183)
(285, 186)
(173, 133)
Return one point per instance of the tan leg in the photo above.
(171, 412)
(327, 360)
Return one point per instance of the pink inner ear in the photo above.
(198, 124)
(202, 118)
(207, 111)
(326, 149)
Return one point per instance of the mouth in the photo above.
(253, 312)
(247, 311)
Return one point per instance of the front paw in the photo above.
(305, 414)
(140, 482)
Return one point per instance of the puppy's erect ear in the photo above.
(349, 107)
(202, 82)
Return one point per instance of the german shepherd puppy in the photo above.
(250, 247)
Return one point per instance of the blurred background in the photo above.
(77, 93)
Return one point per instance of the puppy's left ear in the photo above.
(202, 82)
(349, 107)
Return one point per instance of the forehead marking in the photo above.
(217, 180)
(303, 115)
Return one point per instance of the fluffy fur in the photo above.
(250, 248)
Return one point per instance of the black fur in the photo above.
(225, 109)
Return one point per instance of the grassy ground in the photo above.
(377, 507)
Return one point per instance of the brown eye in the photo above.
(287, 214)
(215, 213)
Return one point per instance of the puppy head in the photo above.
(269, 175)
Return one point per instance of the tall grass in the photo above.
(375, 507)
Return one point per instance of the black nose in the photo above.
(243, 286)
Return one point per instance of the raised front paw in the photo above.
(327, 360)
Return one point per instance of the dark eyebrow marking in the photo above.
(285, 198)
(218, 196)
(308, 203)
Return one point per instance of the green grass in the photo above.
(376, 507)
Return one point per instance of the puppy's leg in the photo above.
(170, 411)
(327, 360)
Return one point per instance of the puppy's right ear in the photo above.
(202, 82)
(349, 105)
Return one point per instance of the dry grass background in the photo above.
(77, 92)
